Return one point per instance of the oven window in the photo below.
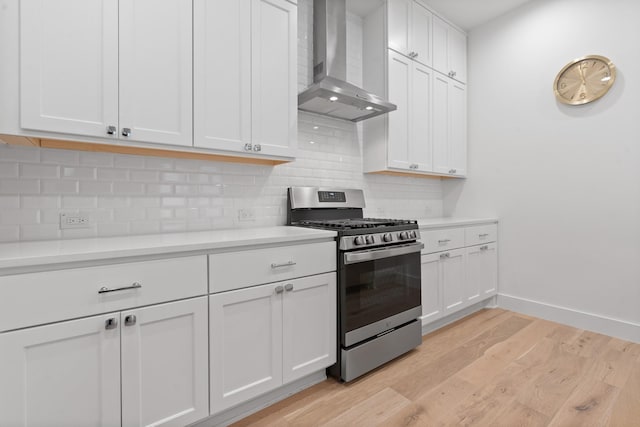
(374, 290)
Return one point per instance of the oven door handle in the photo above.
(370, 255)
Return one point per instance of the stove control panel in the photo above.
(377, 239)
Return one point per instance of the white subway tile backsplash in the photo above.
(9, 169)
(78, 172)
(19, 216)
(19, 186)
(60, 157)
(40, 232)
(124, 194)
(132, 188)
(9, 202)
(96, 187)
(31, 170)
(9, 233)
(79, 202)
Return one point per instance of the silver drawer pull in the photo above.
(483, 235)
(484, 248)
(279, 289)
(288, 287)
(105, 290)
(130, 320)
(445, 255)
(111, 323)
(444, 241)
(284, 264)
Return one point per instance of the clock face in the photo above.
(584, 80)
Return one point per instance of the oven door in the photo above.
(379, 290)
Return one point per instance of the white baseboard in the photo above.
(592, 322)
(245, 409)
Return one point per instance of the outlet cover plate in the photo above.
(68, 220)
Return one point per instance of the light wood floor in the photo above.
(493, 368)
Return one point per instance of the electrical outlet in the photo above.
(74, 221)
(246, 214)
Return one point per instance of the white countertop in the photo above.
(40, 253)
(453, 222)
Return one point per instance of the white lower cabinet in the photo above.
(265, 336)
(137, 367)
(460, 276)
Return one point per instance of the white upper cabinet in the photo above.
(107, 68)
(409, 29)
(245, 76)
(69, 66)
(449, 126)
(409, 127)
(449, 50)
(155, 71)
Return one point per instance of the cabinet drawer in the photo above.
(37, 298)
(442, 240)
(234, 270)
(481, 234)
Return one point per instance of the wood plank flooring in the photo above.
(493, 368)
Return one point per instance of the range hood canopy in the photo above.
(331, 95)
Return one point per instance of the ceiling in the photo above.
(466, 14)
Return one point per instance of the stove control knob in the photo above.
(370, 240)
(403, 235)
(413, 234)
(359, 240)
(387, 237)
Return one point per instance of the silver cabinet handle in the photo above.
(111, 130)
(105, 290)
(288, 287)
(444, 241)
(126, 131)
(284, 264)
(111, 323)
(370, 255)
(453, 73)
(452, 170)
(130, 320)
(279, 289)
(248, 146)
(484, 247)
(483, 235)
(415, 54)
(257, 147)
(445, 255)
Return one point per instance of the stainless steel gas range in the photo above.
(378, 277)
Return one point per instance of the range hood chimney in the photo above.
(330, 94)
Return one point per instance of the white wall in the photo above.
(564, 181)
(135, 195)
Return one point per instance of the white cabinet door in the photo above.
(482, 269)
(431, 288)
(156, 71)
(64, 374)
(69, 66)
(457, 128)
(421, 23)
(449, 50)
(309, 325)
(165, 364)
(245, 329)
(449, 126)
(399, 93)
(420, 142)
(453, 270)
(274, 52)
(222, 74)
(398, 25)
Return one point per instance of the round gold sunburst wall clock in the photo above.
(584, 80)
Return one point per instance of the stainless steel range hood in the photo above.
(331, 95)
